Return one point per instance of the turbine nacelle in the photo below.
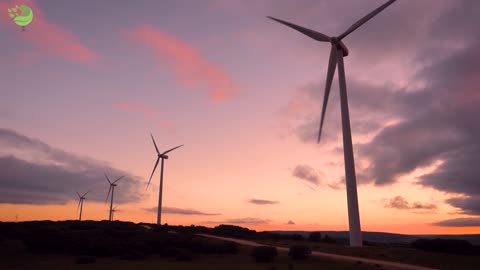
(163, 156)
(339, 45)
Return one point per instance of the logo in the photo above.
(21, 15)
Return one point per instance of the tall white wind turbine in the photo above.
(161, 156)
(337, 53)
(81, 198)
(111, 189)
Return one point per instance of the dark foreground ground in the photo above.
(242, 260)
(125, 245)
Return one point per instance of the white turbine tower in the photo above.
(162, 156)
(337, 53)
(81, 198)
(112, 189)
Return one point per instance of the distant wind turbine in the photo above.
(112, 189)
(162, 156)
(81, 198)
(337, 53)
(113, 212)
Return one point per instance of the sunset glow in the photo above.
(87, 82)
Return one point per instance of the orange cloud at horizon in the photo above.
(190, 66)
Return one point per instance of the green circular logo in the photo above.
(21, 15)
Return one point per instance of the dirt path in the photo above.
(387, 265)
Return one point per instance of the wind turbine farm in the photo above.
(280, 170)
(111, 190)
(81, 199)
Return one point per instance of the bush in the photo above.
(171, 252)
(227, 247)
(264, 253)
(133, 255)
(299, 252)
(444, 245)
(297, 237)
(86, 260)
(328, 239)
(315, 237)
(184, 255)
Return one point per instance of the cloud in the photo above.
(398, 202)
(248, 220)
(36, 173)
(190, 66)
(290, 222)
(262, 202)
(240, 221)
(181, 211)
(459, 222)
(148, 113)
(470, 205)
(306, 173)
(425, 117)
(49, 37)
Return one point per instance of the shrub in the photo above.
(264, 253)
(171, 252)
(86, 260)
(133, 255)
(315, 237)
(297, 237)
(299, 252)
(444, 245)
(184, 255)
(328, 239)
(227, 247)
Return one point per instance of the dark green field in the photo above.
(242, 260)
(125, 245)
(407, 255)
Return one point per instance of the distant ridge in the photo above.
(383, 237)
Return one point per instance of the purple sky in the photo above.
(87, 82)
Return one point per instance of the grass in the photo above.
(242, 260)
(438, 260)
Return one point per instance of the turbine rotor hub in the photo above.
(339, 45)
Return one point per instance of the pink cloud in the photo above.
(47, 36)
(149, 114)
(190, 66)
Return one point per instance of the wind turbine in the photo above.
(113, 212)
(162, 156)
(80, 203)
(337, 53)
(112, 189)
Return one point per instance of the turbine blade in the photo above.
(79, 202)
(332, 64)
(154, 167)
(108, 194)
(85, 193)
(118, 179)
(313, 34)
(164, 153)
(365, 19)
(108, 179)
(154, 143)
(78, 194)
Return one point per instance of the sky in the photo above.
(87, 82)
